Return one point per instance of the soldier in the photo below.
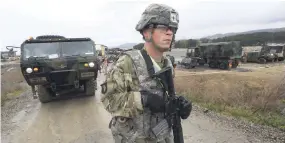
(135, 99)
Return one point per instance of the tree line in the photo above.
(258, 38)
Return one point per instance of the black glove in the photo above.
(152, 101)
(185, 107)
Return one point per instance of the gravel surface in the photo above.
(254, 132)
(13, 111)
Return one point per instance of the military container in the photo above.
(222, 55)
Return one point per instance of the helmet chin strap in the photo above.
(152, 41)
(173, 37)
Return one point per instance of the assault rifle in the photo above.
(172, 106)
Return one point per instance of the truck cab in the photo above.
(55, 64)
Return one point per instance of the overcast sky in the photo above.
(113, 23)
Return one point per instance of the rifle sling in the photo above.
(149, 64)
(151, 71)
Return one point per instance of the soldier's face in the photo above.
(162, 37)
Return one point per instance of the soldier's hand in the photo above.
(185, 107)
(152, 101)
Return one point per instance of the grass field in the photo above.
(257, 96)
(11, 83)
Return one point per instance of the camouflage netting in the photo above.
(50, 37)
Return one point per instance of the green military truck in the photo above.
(258, 57)
(277, 49)
(54, 64)
(270, 52)
(222, 55)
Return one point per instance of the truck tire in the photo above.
(188, 66)
(262, 61)
(224, 66)
(212, 65)
(44, 94)
(89, 87)
(235, 64)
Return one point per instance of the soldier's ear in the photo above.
(144, 33)
(147, 34)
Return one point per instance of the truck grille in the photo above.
(63, 77)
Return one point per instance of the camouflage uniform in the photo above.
(121, 95)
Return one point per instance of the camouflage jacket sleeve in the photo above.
(121, 97)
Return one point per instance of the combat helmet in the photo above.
(158, 14)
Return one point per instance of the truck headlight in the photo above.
(29, 70)
(91, 64)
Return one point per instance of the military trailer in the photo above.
(222, 55)
(55, 64)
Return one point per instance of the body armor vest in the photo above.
(147, 120)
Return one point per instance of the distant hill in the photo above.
(126, 46)
(256, 38)
(247, 38)
(271, 30)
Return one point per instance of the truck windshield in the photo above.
(47, 50)
(54, 49)
(275, 49)
(77, 48)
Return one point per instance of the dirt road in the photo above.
(84, 120)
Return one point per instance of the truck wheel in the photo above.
(262, 61)
(223, 66)
(234, 64)
(212, 65)
(89, 87)
(188, 66)
(44, 94)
